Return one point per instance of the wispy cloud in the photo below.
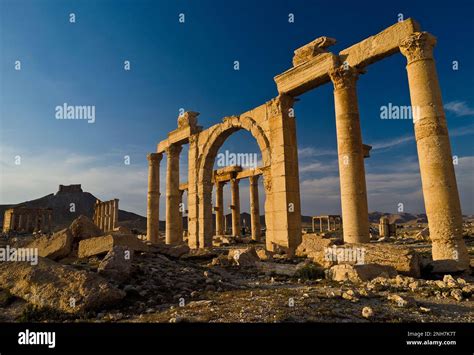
(459, 108)
(461, 131)
(393, 142)
(309, 152)
(318, 167)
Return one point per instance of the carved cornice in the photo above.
(344, 77)
(418, 46)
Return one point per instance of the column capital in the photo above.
(154, 158)
(417, 46)
(344, 77)
(173, 150)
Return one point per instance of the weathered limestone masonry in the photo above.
(333, 223)
(219, 208)
(106, 214)
(254, 208)
(173, 196)
(235, 207)
(234, 174)
(153, 199)
(440, 190)
(384, 227)
(273, 126)
(28, 220)
(350, 150)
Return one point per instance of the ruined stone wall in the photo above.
(106, 214)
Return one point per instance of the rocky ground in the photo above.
(237, 281)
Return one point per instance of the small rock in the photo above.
(399, 300)
(450, 281)
(457, 294)
(367, 312)
(350, 295)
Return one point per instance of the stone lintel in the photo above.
(379, 46)
(183, 186)
(314, 72)
(306, 76)
(238, 175)
(178, 136)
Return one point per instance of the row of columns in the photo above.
(174, 206)
(30, 220)
(235, 207)
(174, 217)
(333, 223)
(106, 214)
(434, 153)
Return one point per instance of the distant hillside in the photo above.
(84, 202)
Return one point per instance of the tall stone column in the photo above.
(102, 216)
(254, 208)
(180, 218)
(115, 213)
(234, 188)
(351, 156)
(12, 221)
(440, 191)
(153, 199)
(219, 208)
(172, 195)
(108, 214)
(20, 222)
(192, 194)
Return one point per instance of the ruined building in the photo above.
(273, 126)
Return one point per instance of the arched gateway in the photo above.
(273, 126)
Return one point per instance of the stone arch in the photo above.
(223, 131)
(205, 163)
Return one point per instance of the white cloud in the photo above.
(385, 144)
(318, 167)
(459, 108)
(309, 152)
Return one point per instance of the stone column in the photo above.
(329, 224)
(192, 194)
(115, 213)
(254, 208)
(107, 215)
(225, 224)
(180, 217)
(219, 208)
(153, 198)
(234, 187)
(440, 191)
(351, 156)
(172, 195)
(101, 216)
(384, 227)
(12, 221)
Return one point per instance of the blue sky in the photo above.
(190, 65)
